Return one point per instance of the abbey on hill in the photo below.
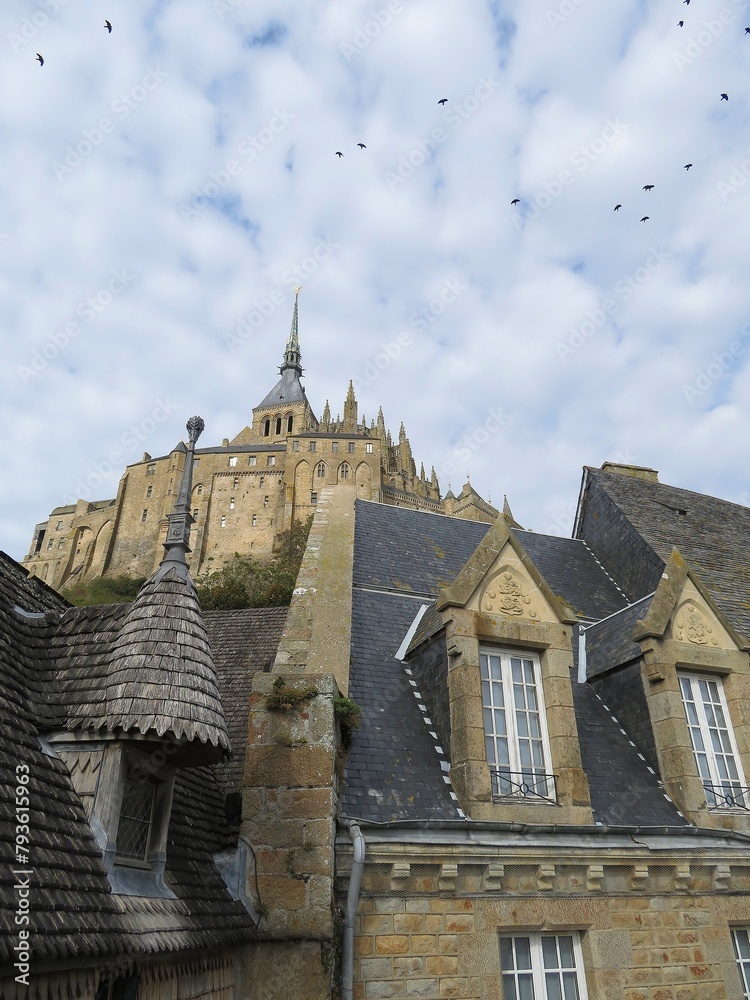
(245, 491)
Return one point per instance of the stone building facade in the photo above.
(246, 491)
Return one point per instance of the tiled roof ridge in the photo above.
(416, 510)
(657, 486)
(33, 581)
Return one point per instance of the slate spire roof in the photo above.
(162, 676)
(289, 388)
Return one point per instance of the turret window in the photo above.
(278, 425)
(266, 427)
(515, 731)
(289, 423)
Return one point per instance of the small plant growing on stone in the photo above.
(288, 699)
(348, 713)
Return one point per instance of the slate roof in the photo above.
(394, 770)
(243, 642)
(624, 792)
(573, 573)
(713, 535)
(610, 644)
(74, 915)
(287, 390)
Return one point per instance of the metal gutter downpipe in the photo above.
(352, 902)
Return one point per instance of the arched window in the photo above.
(344, 471)
(266, 427)
(289, 423)
(199, 489)
(320, 470)
(278, 425)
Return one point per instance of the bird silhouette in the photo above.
(108, 26)
(680, 24)
(648, 187)
(725, 97)
(443, 100)
(688, 166)
(687, 2)
(361, 145)
(39, 59)
(339, 154)
(747, 31)
(617, 208)
(644, 219)
(515, 201)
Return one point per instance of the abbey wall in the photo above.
(245, 492)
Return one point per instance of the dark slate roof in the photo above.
(408, 550)
(287, 390)
(393, 770)
(430, 623)
(243, 642)
(74, 914)
(713, 535)
(610, 644)
(573, 573)
(624, 791)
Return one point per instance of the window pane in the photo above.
(554, 989)
(567, 959)
(549, 953)
(570, 986)
(506, 954)
(523, 952)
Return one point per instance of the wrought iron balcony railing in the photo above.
(727, 796)
(523, 784)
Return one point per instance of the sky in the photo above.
(165, 186)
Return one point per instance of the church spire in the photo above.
(292, 354)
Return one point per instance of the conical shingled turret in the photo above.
(162, 678)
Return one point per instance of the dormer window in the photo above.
(713, 742)
(515, 731)
(136, 818)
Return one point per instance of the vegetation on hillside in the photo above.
(245, 582)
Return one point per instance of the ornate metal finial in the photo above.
(195, 427)
(298, 289)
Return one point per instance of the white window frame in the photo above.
(724, 789)
(538, 973)
(741, 945)
(507, 732)
(232, 461)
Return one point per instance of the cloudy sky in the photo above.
(165, 187)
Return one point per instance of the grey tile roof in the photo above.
(624, 792)
(243, 642)
(287, 390)
(393, 770)
(713, 535)
(610, 644)
(573, 573)
(74, 914)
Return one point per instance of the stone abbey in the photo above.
(246, 491)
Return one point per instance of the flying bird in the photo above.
(680, 24)
(687, 2)
(339, 154)
(648, 187)
(725, 97)
(108, 26)
(515, 201)
(361, 145)
(617, 208)
(747, 31)
(443, 100)
(688, 166)
(39, 59)
(644, 219)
